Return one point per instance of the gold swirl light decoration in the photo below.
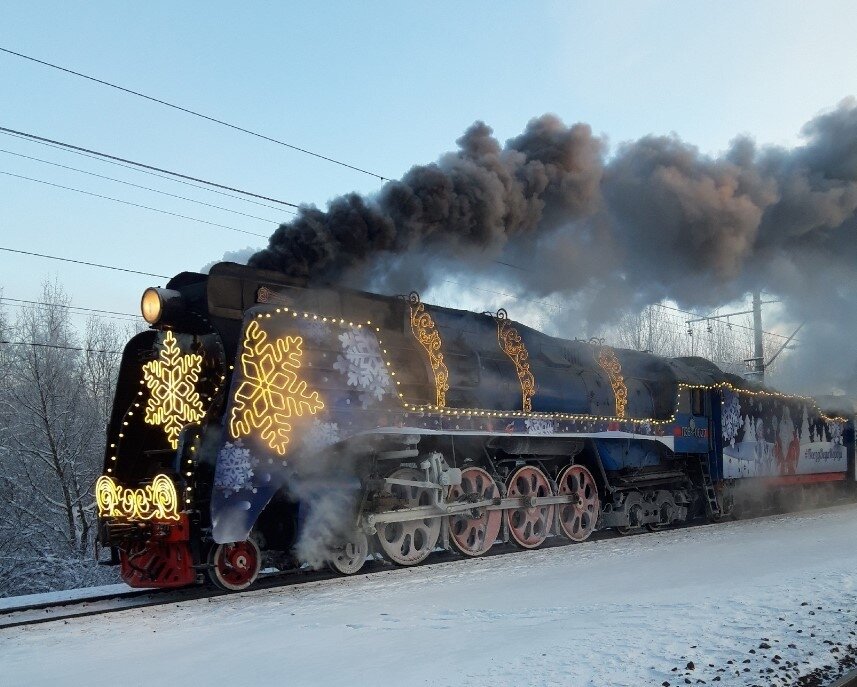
(513, 346)
(157, 500)
(426, 333)
(608, 362)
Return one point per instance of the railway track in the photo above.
(54, 611)
(48, 611)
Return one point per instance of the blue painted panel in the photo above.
(621, 454)
(691, 433)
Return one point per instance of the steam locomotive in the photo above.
(259, 417)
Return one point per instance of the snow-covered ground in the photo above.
(612, 612)
(12, 602)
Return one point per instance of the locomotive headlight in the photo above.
(151, 306)
(162, 306)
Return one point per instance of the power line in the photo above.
(728, 324)
(58, 346)
(146, 171)
(111, 314)
(136, 205)
(145, 188)
(33, 137)
(83, 262)
(194, 113)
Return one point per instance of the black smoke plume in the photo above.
(657, 219)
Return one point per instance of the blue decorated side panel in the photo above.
(766, 434)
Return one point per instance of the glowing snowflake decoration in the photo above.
(234, 468)
(171, 379)
(271, 392)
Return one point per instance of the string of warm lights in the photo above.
(487, 413)
(135, 405)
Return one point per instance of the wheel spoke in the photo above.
(408, 543)
(578, 521)
(529, 527)
(473, 536)
(235, 566)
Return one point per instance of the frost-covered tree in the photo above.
(54, 400)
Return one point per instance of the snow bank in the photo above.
(12, 602)
(612, 612)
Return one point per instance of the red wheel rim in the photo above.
(577, 520)
(473, 536)
(528, 527)
(237, 565)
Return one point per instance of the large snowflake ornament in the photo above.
(271, 392)
(362, 365)
(234, 468)
(173, 400)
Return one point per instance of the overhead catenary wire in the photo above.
(76, 309)
(58, 346)
(141, 170)
(703, 317)
(559, 307)
(145, 188)
(194, 113)
(136, 205)
(33, 137)
(82, 262)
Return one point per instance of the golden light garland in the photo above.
(608, 362)
(157, 500)
(173, 401)
(487, 413)
(271, 392)
(513, 346)
(425, 331)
